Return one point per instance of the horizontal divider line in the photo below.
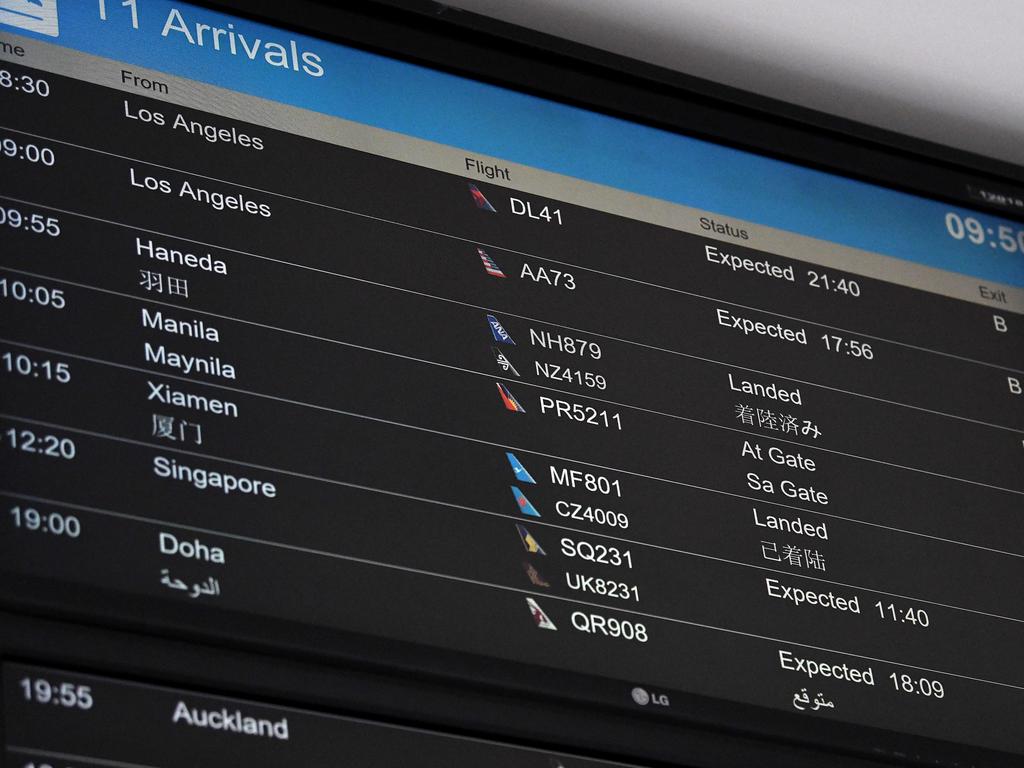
(457, 302)
(451, 236)
(513, 518)
(473, 372)
(588, 603)
(456, 436)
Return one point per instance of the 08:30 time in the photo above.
(1004, 236)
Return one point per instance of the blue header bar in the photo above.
(184, 40)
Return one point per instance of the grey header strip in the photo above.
(397, 146)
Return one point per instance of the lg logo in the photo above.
(643, 698)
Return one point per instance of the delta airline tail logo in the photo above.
(508, 399)
(32, 15)
(539, 617)
(524, 503)
(481, 202)
(498, 331)
(490, 266)
(519, 470)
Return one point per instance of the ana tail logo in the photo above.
(498, 331)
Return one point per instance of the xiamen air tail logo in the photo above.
(34, 15)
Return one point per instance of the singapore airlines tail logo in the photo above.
(33, 15)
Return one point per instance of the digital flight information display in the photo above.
(301, 333)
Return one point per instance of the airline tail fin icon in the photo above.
(509, 399)
(481, 202)
(539, 617)
(522, 475)
(524, 503)
(490, 266)
(530, 544)
(498, 331)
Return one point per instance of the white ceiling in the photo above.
(951, 71)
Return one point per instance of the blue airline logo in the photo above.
(499, 332)
(34, 15)
(520, 471)
(524, 503)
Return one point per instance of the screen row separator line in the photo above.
(604, 273)
(466, 508)
(365, 281)
(482, 374)
(601, 606)
(502, 446)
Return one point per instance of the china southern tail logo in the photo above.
(33, 15)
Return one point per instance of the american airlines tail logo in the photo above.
(33, 15)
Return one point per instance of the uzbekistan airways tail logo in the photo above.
(34, 15)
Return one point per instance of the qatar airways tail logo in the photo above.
(33, 15)
(232, 42)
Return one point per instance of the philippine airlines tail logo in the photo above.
(509, 399)
(33, 15)
(481, 202)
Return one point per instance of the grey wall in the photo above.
(950, 72)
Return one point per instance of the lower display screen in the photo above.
(279, 345)
(62, 719)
